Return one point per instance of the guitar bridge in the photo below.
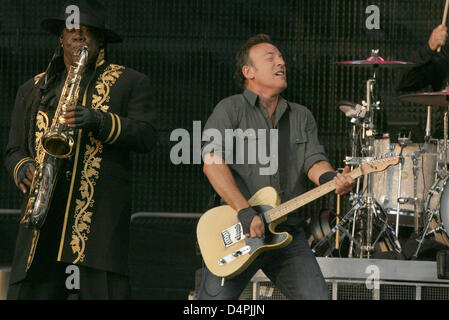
(232, 235)
(236, 254)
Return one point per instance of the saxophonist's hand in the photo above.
(25, 176)
(84, 118)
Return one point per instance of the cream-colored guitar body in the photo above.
(225, 250)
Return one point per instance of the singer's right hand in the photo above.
(25, 183)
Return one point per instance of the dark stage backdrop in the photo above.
(187, 49)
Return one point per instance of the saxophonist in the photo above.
(87, 224)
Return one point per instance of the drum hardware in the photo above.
(403, 141)
(436, 206)
(366, 210)
(445, 142)
(349, 216)
(352, 110)
(428, 124)
(405, 200)
(381, 223)
(364, 207)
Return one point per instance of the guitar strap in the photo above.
(283, 151)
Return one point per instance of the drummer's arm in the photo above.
(432, 67)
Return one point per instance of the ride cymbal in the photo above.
(440, 98)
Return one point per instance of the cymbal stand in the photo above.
(354, 196)
(349, 216)
(368, 136)
(370, 203)
(441, 173)
(402, 142)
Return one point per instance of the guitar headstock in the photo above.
(379, 165)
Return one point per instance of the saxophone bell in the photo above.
(59, 145)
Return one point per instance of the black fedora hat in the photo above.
(92, 14)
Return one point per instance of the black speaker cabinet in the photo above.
(163, 256)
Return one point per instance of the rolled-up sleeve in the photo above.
(314, 151)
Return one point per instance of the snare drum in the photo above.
(418, 175)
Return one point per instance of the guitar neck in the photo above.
(296, 203)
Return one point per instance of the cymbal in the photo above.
(351, 109)
(376, 61)
(440, 98)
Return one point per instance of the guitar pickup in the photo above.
(236, 254)
(232, 235)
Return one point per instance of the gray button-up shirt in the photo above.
(244, 111)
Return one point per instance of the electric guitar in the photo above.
(225, 249)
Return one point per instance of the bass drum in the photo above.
(438, 201)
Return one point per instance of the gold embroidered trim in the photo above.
(119, 129)
(72, 182)
(92, 163)
(17, 167)
(112, 128)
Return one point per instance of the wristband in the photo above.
(245, 217)
(326, 177)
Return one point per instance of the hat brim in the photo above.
(54, 25)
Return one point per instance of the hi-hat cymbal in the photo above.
(440, 98)
(351, 109)
(375, 61)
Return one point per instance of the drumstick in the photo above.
(444, 17)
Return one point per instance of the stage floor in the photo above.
(367, 279)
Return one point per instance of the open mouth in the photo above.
(280, 73)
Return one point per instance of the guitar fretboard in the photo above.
(296, 203)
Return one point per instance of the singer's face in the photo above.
(267, 69)
(74, 39)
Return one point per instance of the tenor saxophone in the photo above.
(56, 144)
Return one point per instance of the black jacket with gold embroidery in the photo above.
(88, 220)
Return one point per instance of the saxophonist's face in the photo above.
(74, 39)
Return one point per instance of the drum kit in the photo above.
(412, 194)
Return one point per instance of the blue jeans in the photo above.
(294, 269)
